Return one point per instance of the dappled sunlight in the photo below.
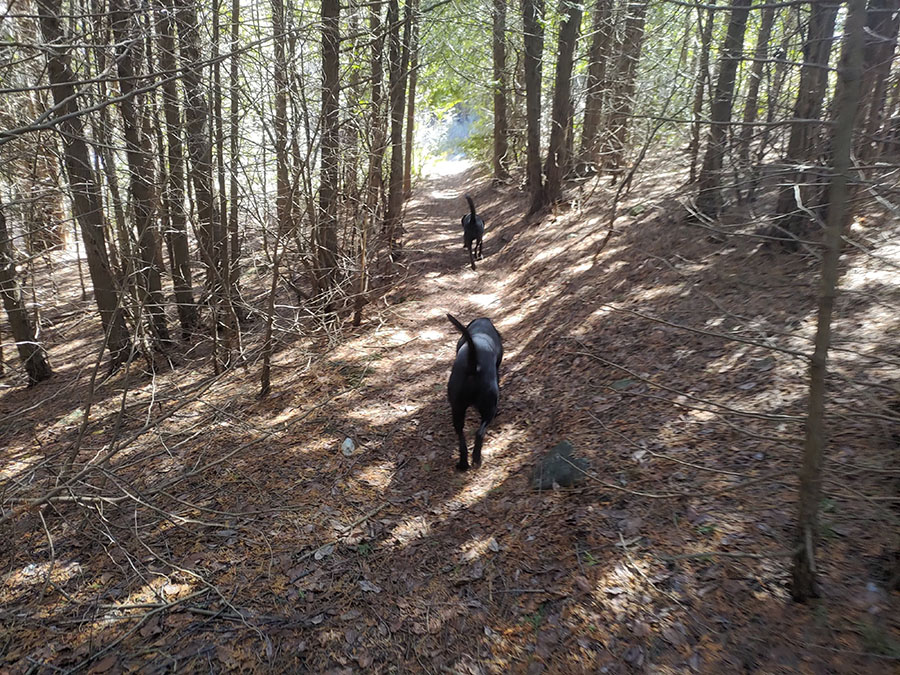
(38, 575)
(413, 527)
(378, 475)
(484, 300)
(255, 518)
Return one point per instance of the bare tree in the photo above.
(807, 536)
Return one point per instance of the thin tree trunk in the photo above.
(326, 253)
(709, 199)
(141, 172)
(33, 356)
(597, 84)
(807, 536)
(411, 100)
(399, 59)
(174, 189)
(501, 124)
(196, 123)
(533, 28)
(882, 24)
(376, 157)
(751, 103)
(283, 209)
(626, 78)
(86, 201)
(700, 86)
(557, 159)
(806, 127)
(234, 253)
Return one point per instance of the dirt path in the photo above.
(273, 548)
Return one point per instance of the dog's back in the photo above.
(474, 380)
(473, 224)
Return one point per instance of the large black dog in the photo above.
(474, 381)
(473, 232)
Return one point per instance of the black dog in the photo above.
(474, 381)
(473, 232)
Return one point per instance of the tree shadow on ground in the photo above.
(383, 558)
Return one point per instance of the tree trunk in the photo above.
(806, 127)
(807, 536)
(411, 100)
(709, 199)
(141, 172)
(86, 203)
(700, 86)
(234, 85)
(283, 211)
(597, 84)
(399, 60)
(376, 157)
(751, 104)
(626, 75)
(533, 27)
(174, 190)
(196, 122)
(557, 159)
(326, 252)
(221, 249)
(882, 23)
(501, 124)
(33, 356)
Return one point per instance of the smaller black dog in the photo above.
(474, 381)
(473, 232)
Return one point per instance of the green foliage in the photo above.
(537, 618)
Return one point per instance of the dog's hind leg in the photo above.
(479, 439)
(459, 421)
(487, 416)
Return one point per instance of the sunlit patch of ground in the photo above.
(443, 168)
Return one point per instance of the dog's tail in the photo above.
(471, 207)
(473, 362)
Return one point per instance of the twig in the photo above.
(115, 643)
(725, 554)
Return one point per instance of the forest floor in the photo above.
(228, 533)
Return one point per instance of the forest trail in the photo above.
(270, 545)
